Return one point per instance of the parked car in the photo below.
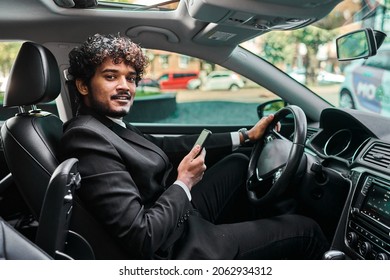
(176, 80)
(148, 85)
(334, 171)
(218, 80)
(328, 78)
(298, 74)
(223, 80)
(3, 84)
(366, 85)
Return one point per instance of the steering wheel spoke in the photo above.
(274, 175)
(272, 135)
(277, 175)
(262, 185)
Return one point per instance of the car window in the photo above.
(163, 77)
(309, 56)
(378, 61)
(381, 60)
(8, 53)
(208, 94)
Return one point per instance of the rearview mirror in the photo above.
(361, 43)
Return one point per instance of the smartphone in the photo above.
(202, 138)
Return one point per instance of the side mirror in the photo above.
(270, 107)
(361, 43)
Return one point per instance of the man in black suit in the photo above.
(126, 175)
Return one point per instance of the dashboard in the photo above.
(356, 145)
(340, 136)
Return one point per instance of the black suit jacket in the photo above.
(124, 185)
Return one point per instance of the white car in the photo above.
(366, 84)
(218, 80)
(298, 74)
(325, 77)
(3, 84)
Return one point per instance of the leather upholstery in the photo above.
(30, 154)
(31, 142)
(14, 246)
(34, 77)
(31, 139)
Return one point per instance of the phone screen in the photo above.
(202, 137)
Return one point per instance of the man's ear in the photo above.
(81, 87)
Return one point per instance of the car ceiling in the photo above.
(194, 21)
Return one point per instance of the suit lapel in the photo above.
(131, 135)
(128, 133)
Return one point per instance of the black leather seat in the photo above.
(14, 246)
(31, 138)
(31, 142)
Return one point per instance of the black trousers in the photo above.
(221, 198)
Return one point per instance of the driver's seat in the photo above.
(31, 141)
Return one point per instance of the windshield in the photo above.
(141, 5)
(193, 87)
(309, 56)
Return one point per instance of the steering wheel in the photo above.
(275, 159)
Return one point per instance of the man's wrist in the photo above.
(244, 136)
(184, 187)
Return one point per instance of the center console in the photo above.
(367, 231)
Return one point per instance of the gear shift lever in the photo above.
(333, 255)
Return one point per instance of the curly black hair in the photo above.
(85, 59)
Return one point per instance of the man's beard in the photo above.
(104, 110)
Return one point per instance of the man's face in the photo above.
(112, 89)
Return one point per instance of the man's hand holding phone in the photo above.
(192, 167)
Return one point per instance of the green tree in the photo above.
(282, 48)
(312, 37)
(277, 49)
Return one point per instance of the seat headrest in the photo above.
(34, 78)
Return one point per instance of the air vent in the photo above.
(378, 154)
(310, 132)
